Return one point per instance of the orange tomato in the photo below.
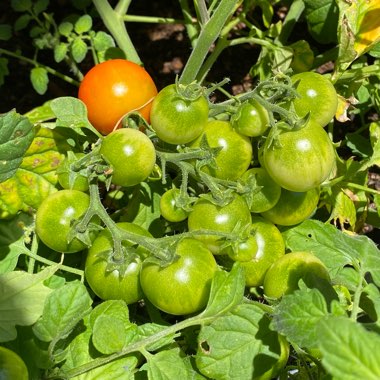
(114, 88)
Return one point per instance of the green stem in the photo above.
(35, 63)
(357, 294)
(152, 19)
(207, 37)
(113, 20)
(191, 27)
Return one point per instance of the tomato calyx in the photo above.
(189, 92)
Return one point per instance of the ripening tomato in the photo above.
(114, 88)
(317, 95)
(182, 287)
(235, 153)
(131, 154)
(251, 119)
(293, 207)
(111, 280)
(284, 274)
(12, 367)
(55, 216)
(177, 119)
(206, 215)
(300, 160)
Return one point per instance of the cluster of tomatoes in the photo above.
(236, 180)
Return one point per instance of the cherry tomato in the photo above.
(205, 215)
(55, 216)
(111, 280)
(251, 119)
(182, 287)
(257, 258)
(177, 119)
(78, 180)
(265, 191)
(235, 155)
(169, 209)
(113, 88)
(131, 154)
(299, 160)
(317, 96)
(12, 367)
(293, 207)
(283, 276)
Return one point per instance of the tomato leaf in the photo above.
(148, 329)
(63, 309)
(40, 79)
(111, 327)
(322, 20)
(36, 177)
(40, 113)
(236, 345)
(227, 290)
(12, 241)
(22, 298)
(335, 248)
(297, 315)
(16, 135)
(170, 364)
(348, 350)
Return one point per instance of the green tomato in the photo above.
(78, 181)
(283, 276)
(251, 119)
(131, 155)
(300, 160)
(177, 119)
(169, 209)
(293, 207)
(235, 155)
(257, 257)
(12, 367)
(112, 280)
(265, 191)
(182, 287)
(205, 215)
(317, 95)
(55, 217)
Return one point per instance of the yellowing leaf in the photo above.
(36, 177)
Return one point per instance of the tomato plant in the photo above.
(114, 88)
(71, 180)
(317, 97)
(131, 155)
(111, 279)
(55, 216)
(300, 159)
(178, 118)
(182, 287)
(235, 153)
(11, 365)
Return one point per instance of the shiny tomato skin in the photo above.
(169, 209)
(235, 155)
(293, 207)
(300, 160)
(113, 285)
(207, 216)
(12, 367)
(251, 119)
(269, 247)
(113, 88)
(177, 120)
(182, 287)
(131, 154)
(317, 95)
(55, 216)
